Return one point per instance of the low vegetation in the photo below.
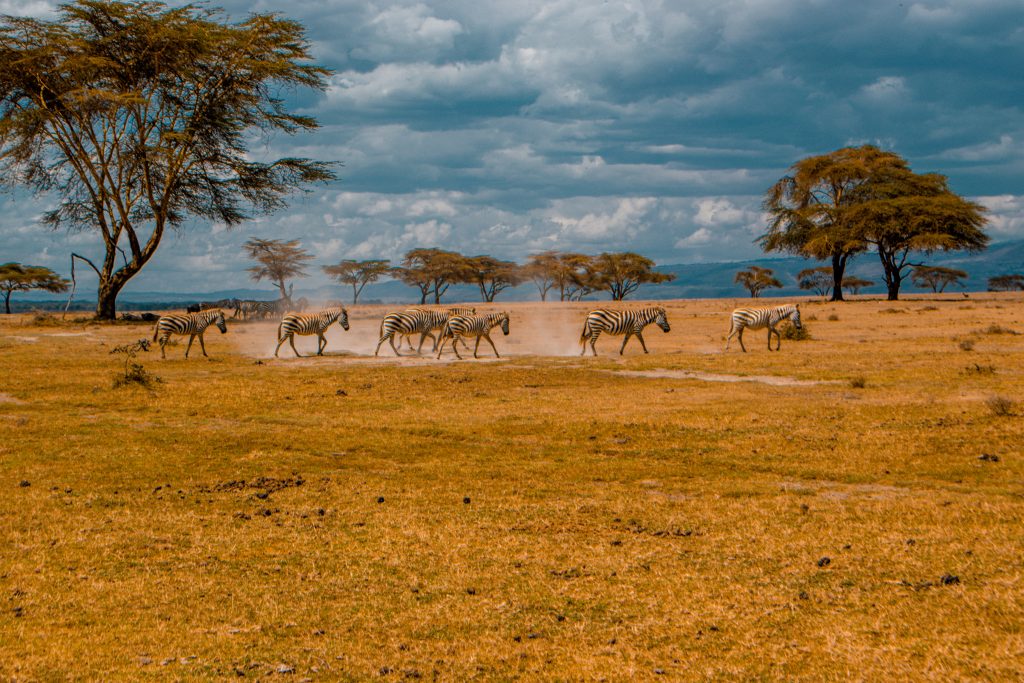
(726, 516)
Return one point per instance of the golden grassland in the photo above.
(541, 516)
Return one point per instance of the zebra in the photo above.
(412, 321)
(404, 324)
(439, 321)
(460, 326)
(261, 309)
(192, 324)
(757, 318)
(310, 323)
(629, 323)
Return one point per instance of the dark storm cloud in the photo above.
(509, 127)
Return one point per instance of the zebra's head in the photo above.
(343, 319)
(795, 317)
(661, 320)
(218, 320)
(504, 322)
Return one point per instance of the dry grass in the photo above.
(260, 517)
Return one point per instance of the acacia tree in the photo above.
(134, 116)
(936, 277)
(808, 208)
(756, 280)
(622, 273)
(819, 280)
(1006, 283)
(542, 268)
(900, 212)
(493, 275)
(358, 274)
(855, 284)
(277, 261)
(433, 271)
(15, 277)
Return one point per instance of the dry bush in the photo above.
(858, 382)
(976, 369)
(996, 329)
(966, 345)
(1000, 406)
(811, 317)
(833, 317)
(790, 332)
(893, 310)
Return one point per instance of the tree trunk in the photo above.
(838, 269)
(893, 287)
(7, 302)
(106, 297)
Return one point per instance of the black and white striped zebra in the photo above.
(629, 322)
(192, 324)
(262, 309)
(440, 319)
(479, 326)
(758, 318)
(309, 324)
(405, 323)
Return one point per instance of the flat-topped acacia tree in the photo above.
(136, 117)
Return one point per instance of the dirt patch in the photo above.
(7, 398)
(773, 380)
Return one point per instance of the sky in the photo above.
(511, 127)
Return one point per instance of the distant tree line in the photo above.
(433, 271)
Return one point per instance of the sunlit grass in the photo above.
(252, 519)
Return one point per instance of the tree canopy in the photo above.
(135, 116)
(808, 207)
(277, 261)
(493, 275)
(756, 279)
(900, 212)
(1006, 283)
(937, 278)
(819, 280)
(855, 284)
(358, 274)
(622, 273)
(432, 271)
(15, 277)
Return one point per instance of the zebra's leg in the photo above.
(641, 338)
(496, 354)
(732, 333)
(423, 336)
(377, 350)
(279, 342)
(455, 346)
(593, 340)
(391, 341)
(291, 340)
(739, 336)
(163, 348)
(202, 344)
(189, 347)
(321, 344)
(476, 348)
(771, 331)
(440, 346)
(623, 347)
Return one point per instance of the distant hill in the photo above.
(693, 281)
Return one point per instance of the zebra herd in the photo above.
(457, 324)
(248, 309)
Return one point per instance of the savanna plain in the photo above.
(849, 507)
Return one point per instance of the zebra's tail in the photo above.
(586, 332)
(279, 326)
(156, 330)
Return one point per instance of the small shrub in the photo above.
(930, 308)
(996, 329)
(788, 331)
(858, 382)
(833, 317)
(976, 369)
(966, 344)
(134, 373)
(1000, 406)
(893, 310)
(811, 317)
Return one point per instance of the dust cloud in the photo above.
(552, 329)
